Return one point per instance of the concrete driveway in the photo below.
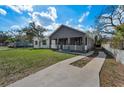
(64, 75)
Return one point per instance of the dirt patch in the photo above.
(82, 62)
(112, 73)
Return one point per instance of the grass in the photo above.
(19, 63)
(82, 62)
(112, 73)
(4, 48)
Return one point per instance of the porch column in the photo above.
(57, 43)
(69, 43)
(85, 44)
(50, 44)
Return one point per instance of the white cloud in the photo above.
(44, 18)
(3, 12)
(26, 8)
(48, 33)
(91, 29)
(68, 22)
(21, 8)
(83, 16)
(53, 26)
(15, 8)
(15, 27)
(80, 27)
(52, 12)
(89, 7)
(14, 30)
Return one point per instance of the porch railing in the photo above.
(69, 47)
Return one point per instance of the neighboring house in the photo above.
(67, 39)
(41, 42)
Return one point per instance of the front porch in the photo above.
(68, 44)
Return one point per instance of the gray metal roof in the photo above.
(67, 27)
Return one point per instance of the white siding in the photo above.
(118, 54)
(40, 43)
(35, 39)
(53, 44)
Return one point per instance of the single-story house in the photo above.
(66, 38)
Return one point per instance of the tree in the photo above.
(4, 37)
(10, 40)
(34, 30)
(119, 36)
(16, 33)
(109, 18)
(120, 31)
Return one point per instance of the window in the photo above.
(36, 42)
(44, 42)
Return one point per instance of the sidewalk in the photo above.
(64, 75)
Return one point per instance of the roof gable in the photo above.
(66, 32)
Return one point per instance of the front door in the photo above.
(61, 46)
(62, 42)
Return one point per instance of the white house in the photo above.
(41, 42)
(65, 38)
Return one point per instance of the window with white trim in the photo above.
(36, 42)
(44, 42)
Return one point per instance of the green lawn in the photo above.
(18, 63)
(4, 48)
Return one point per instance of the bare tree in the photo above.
(109, 18)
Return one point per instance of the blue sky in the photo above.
(77, 16)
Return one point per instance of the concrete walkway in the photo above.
(64, 75)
